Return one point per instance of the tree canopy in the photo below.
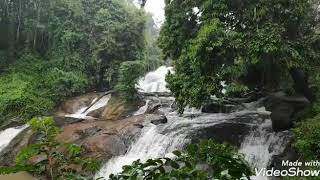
(224, 41)
(53, 49)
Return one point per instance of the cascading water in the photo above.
(83, 112)
(257, 145)
(160, 140)
(155, 81)
(9, 134)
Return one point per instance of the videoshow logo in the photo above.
(294, 169)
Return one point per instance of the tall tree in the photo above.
(227, 41)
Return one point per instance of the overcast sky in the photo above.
(156, 7)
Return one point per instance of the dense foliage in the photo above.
(153, 54)
(129, 74)
(49, 158)
(307, 134)
(32, 87)
(53, 49)
(245, 44)
(209, 160)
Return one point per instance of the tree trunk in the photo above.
(301, 84)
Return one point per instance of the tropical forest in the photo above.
(159, 89)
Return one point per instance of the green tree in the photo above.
(54, 49)
(129, 74)
(251, 43)
(153, 54)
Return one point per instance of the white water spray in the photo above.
(155, 81)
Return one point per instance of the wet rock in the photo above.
(8, 154)
(118, 108)
(217, 108)
(153, 108)
(281, 117)
(156, 120)
(103, 139)
(232, 133)
(114, 111)
(63, 120)
(289, 154)
(11, 123)
(285, 109)
(97, 113)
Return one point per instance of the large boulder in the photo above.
(281, 116)
(231, 133)
(234, 130)
(117, 108)
(103, 139)
(285, 109)
(156, 120)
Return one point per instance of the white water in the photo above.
(155, 81)
(82, 113)
(143, 109)
(159, 141)
(262, 144)
(9, 134)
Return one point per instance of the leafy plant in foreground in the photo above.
(49, 158)
(209, 160)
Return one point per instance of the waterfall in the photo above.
(257, 144)
(155, 81)
(156, 141)
(83, 112)
(9, 134)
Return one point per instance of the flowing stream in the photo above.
(155, 141)
(259, 145)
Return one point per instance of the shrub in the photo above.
(129, 74)
(61, 84)
(307, 137)
(223, 161)
(56, 160)
(19, 98)
(33, 86)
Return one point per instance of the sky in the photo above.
(156, 8)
